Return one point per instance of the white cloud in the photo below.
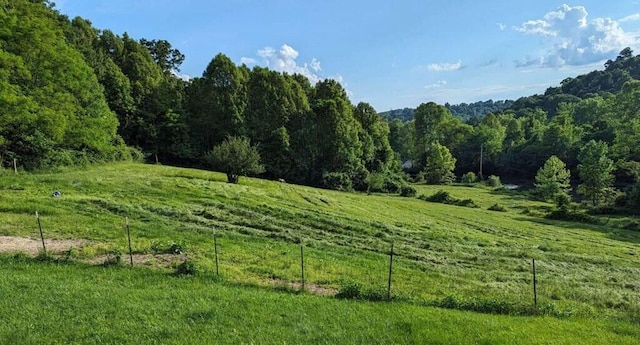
(247, 61)
(284, 60)
(315, 65)
(501, 26)
(182, 76)
(439, 83)
(630, 18)
(445, 66)
(574, 40)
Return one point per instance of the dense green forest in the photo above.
(71, 94)
(466, 111)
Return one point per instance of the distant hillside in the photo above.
(405, 114)
(601, 83)
(462, 110)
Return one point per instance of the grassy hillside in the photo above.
(61, 304)
(451, 256)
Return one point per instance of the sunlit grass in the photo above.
(442, 251)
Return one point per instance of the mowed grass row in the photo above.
(443, 252)
(49, 303)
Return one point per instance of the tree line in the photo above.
(74, 94)
(77, 94)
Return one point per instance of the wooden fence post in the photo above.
(215, 250)
(44, 248)
(390, 273)
(129, 239)
(535, 293)
(302, 262)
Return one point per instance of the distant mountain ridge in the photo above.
(462, 110)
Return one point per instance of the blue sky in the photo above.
(391, 54)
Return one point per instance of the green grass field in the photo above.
(450, 256)
(47, 303)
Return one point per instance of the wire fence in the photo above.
(347, 291)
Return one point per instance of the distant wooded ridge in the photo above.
(462, 110)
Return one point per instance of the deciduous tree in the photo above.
(595, 171)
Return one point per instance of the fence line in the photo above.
(392, 252)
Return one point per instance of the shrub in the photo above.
(572, 216)
(497, 207)
(469, 178)
(444, 198)
(562, 200)
(353, 290)
(186, 268)
(632, 225)
(440, 196)
(494, 181)
(465, 203)
(349, 290)
(408, 191)
(337, 181)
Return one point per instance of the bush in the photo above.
(444, 198)
(408, 191)
(633, 225)
(337, 181)
(494, 181)
(353, 290)
(465, 203)
(440, 196)
(572, 216)
(562, 200)
(469, 178)
(186, 268)
(384, 182)
(497, 207)
(349, 290)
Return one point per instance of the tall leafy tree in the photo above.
(273, 100)
(402, 138)
(627, 122)
(376, 150)
(338, 148)
(165, 56)
(216, 103)
(439, 165)
(53, 108)
(595, 171)
(552, 179)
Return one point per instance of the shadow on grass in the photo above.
(616, 234)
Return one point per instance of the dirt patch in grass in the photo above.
(149, 260)
(15, 244)
(311, 288)
(30, 246)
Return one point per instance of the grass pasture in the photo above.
(449, 256)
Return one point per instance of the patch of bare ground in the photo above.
(30, 246)
(310, 288)
(149, 260)
(15, 244)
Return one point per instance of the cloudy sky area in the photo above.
(390, 54)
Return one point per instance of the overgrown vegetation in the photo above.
(444, 198)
